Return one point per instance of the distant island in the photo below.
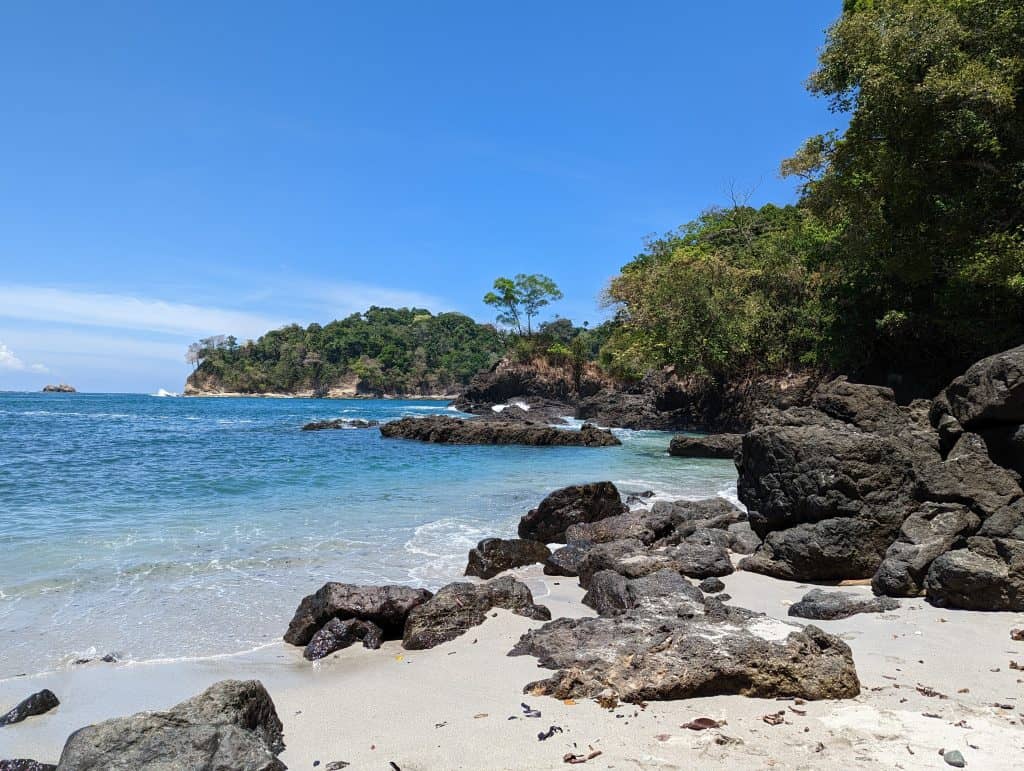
(62, 388)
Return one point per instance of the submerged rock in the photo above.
(447, 430)
(385, 606)
(231, 725)
(821, 605)
(339, 423)
(569, 506)
(36, 704)
(458, 607)
(337, 634)
(709, 446)
(496, 555)
(641, 655)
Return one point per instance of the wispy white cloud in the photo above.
(62, 306)
(11, 362)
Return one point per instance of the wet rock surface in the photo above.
(819, 604)
(570, 506)
(459, 607)
(38, 703)
(385, 606)
(336, 635)
(496, 555)
(709, 446)
(447, 430)
(231, 725)
(339, 423)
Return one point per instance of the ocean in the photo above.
(158, 527)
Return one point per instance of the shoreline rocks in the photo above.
(496, 555)
(38, 703)
(820, 605)
(442, 429)
(340, 423)
(570, 506)
(385, 606)
(708, 446)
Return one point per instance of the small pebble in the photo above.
(954, 758)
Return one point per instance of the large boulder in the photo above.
(568, 506)
(641, 655)
(459, 607)
(708, 446)
(990, 392)
(447, 430)
(1006, 445)
(967, 475)
(232, 725)
(742, 538)
(700, 556)
(496, 555)
(927, 533)
(818, 604)
(36, 704)
(664, 591)
(336, 635)
(566, 561)
(385, 606)
(988, 574)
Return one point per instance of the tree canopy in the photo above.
(522, 298)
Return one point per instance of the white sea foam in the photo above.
(163, 393)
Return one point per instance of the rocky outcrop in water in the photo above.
(496, 555)
(231, 725)
(570, 506)
(62, 388)
(459, 607)
(385, 606)
(818, 604)
(709, 446)
(446, 430)
(37, 704)
(339, 423)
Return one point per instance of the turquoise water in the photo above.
(169, 527)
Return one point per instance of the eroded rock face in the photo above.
(709, 446)
(337, 634)
(990, 392)
(447, 430)
(639, 655)
(231, 725)
(37, 704)
(496, 555)
(821, 605)
(385, 606)
(459, 607)
(569, 506)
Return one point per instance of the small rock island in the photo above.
(62, 388)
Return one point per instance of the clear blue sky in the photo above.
(171, 170)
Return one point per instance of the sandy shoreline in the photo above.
(449, 707)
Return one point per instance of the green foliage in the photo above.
(522, 297)
(392, 350)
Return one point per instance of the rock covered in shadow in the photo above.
(496, 555)
(569, 506)
(461, 606)
(821, 605)
(340, 423)
(385, 606)
(337, 634)
(231, 725)
(566, 561)
(708, 446)
(37, 704)
(24, 764)
(639, 655)
(990, 392)
(443, 429)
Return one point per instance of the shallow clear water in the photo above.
(168, 527)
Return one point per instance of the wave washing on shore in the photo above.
(123, 516)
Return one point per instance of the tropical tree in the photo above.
(522, 297)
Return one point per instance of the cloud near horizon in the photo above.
(11, 362)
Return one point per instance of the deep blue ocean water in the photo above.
(169, 527)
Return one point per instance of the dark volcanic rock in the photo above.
(640, 655)
(459, 607)
(639, 525)
(819, 604)
(711, 585)
(700, 557)
(568, 506)
(565, 561)
(742, 539)
(385, 606)
(988, 575)
(990, 392)
(232, 725)
(23, 764)
(664, 591)
(928, 532)
(447, 430)
(710, 446)
(968, 476)
(36, 704)
(339, 423)
(1006, 446)
(496, 555)
(337, 634)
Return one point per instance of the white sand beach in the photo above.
(458, 706)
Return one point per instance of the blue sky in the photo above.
(172, 170)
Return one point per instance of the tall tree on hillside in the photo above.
(522, 297)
